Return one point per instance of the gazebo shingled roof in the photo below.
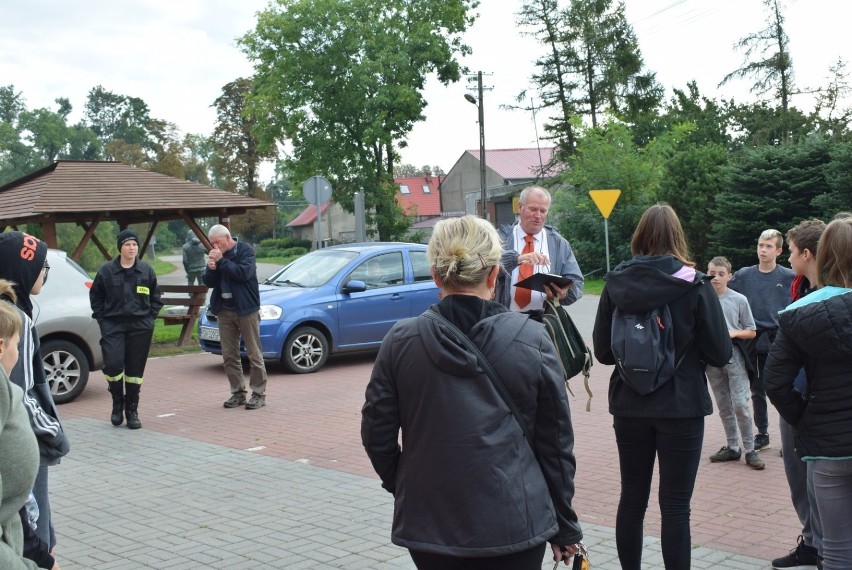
(89, 192)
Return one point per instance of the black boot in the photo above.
(117, 390)
(131, 402)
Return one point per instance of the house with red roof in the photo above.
(507, 172)
(419, 197)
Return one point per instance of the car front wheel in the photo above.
(305, 350)
(66, 368)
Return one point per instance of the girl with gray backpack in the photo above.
(658, 321)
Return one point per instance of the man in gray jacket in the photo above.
(193, 259)
(530, 246)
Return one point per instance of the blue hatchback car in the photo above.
(338, 299)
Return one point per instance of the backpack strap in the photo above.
(454, 332)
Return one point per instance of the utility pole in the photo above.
(479, 103)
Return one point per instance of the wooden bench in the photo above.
(193, 298)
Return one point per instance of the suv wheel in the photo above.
(66, 368)
(306, 350)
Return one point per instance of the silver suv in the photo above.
(70, 337)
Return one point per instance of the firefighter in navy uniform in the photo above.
(125, 301)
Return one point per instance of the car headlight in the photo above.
(270, 312)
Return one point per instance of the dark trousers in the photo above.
(758, 396)
(527, 560)
(125, 346)
(677, 443)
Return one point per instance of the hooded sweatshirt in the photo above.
(466, 482)
(815, 332)
(17, 473)
(21, 260)
(700, 334)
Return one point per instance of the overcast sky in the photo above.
(176, 55)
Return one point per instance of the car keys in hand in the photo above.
(581, 558)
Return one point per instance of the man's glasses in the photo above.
(45, 270)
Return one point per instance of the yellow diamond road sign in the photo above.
(605, 200)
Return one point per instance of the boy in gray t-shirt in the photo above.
(767, 288)
(730, 383)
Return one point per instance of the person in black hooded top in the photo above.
(667, 423)
(24, 268)
(125, 299)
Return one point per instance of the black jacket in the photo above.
(122, 294)
(818, 337)
(22, 258)
(239, 267)
(639, 285)
(466, 482)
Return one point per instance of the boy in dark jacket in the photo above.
(803, 241)
(23, 263)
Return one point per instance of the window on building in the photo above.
(403, 189)
(426, 189)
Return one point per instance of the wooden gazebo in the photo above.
(90, 192)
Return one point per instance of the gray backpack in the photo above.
(644, 348)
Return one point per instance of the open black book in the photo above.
(537, 281)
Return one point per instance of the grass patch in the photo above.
(282, 261)
(165, 340)
(161, 267)
(593, 286)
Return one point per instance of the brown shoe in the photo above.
(236, 399)
(256, 401)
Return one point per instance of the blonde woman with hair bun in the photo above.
(468, 488)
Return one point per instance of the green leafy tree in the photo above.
(30, 140)
(710, 120)
(555, 86)
(16, 157)
(607, 158)
(113, 117)
(409, 170)
(768, 187)
(832, 118)
(593, 65)
(343, 82)
(758, 124)
(692, 178)
(198, 152)
(12, 104)
(167, 154)
(839, 177)
(239, 154)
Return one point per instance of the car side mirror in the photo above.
(355, 286)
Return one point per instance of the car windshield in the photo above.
(314, 269)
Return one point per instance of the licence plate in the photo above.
(207, 333)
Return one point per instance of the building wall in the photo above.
(461, 190)
(337, 225)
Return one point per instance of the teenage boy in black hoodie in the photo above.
(23, 263)
(802, 240)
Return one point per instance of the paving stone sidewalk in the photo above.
(125, 500)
